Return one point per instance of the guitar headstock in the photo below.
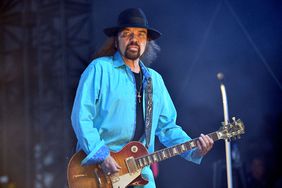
(231, 130)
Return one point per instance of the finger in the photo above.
(104, 167)
(106, 171)
(199, 146)
(203, 143)
(206, 140)
(201, 150)
(114, 166)
(210, 140)
(109, 166)
(114, 169)
(117, 165)
(210, 143)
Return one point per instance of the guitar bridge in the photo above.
(131, 165)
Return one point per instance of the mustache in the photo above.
(132, 43)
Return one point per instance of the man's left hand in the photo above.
(204, 145)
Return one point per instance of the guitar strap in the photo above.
(148, 110)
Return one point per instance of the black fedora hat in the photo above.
(132, 17)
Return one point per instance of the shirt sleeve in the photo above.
(84, 113)
(168, 132)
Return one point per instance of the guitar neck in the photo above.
(171, 151)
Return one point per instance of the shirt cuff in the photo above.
(190, 155)
(99, 156)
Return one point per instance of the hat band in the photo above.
(133, 21)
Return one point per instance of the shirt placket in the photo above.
(133, 82)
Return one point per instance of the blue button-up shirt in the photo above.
(104, 111)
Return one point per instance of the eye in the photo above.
(142, 35)
(125, 34)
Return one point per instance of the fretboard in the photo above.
(170, 152)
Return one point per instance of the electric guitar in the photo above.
(132, 158)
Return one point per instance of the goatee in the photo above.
(132, 55)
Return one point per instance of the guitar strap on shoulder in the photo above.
(148, 110)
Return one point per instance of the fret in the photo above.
(145, 161)
(183, 148)
(178, 149)
(187, 145)
(141, 163)
(164, 155)
(149, 159)
(167, 150)
(174, 151)
(159, 155)
(137, 163)
(192, 144)
(213, 136)
(155, 158)
(171, 150)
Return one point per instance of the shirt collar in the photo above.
(118, 62)
(145, 71)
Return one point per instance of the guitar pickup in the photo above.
(131, 165)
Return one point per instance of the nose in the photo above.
(133, 36)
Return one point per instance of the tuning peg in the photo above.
(234, 119)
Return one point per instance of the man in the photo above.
(119, 99)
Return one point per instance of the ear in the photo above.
(116, 42)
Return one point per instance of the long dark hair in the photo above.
(109, 48)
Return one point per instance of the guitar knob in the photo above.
(134, 149)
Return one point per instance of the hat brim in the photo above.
(153, 34)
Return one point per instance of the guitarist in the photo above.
(119, 99)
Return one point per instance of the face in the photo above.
(132, 42)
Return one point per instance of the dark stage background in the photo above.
(45, 45)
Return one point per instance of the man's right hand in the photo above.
(110, 166)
